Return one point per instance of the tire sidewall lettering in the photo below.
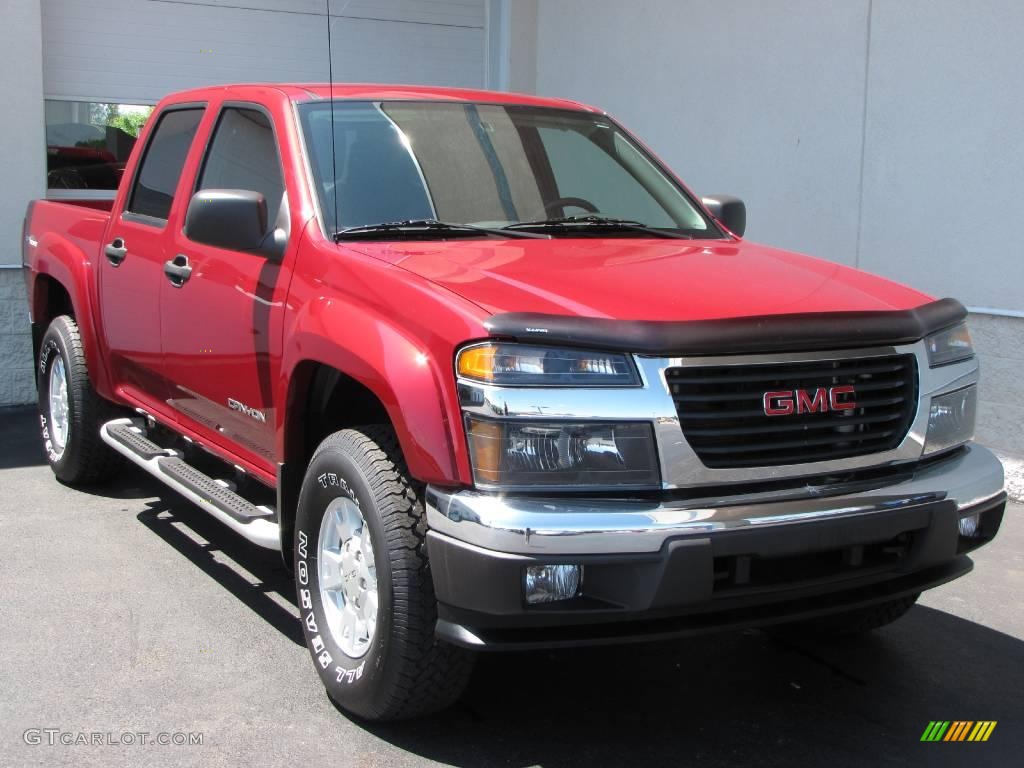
(49, 349)
(334, 667)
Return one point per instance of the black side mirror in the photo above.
(227, 218)
(729, 210)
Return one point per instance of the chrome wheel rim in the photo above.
(348, 577)
(58, 395)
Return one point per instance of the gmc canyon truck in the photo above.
(491, 377)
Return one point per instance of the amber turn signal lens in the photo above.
(510, 364)
(486, 443)
(477, 363)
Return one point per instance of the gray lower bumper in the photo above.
(528, 525)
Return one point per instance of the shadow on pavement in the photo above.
(20, 445)
(250, 573)
(736, 700)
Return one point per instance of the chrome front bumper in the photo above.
(531, 525)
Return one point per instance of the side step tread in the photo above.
(256, 523)
(136, 441)
(203, 485)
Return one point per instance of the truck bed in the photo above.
(79, 223)
(52, 226)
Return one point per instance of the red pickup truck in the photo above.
(491, 377)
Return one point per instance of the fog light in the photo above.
(548, 583)
(970, 526)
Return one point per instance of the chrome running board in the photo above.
(258, 524)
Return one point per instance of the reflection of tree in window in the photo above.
(88, 143)
(153, 192)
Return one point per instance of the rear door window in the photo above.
(152, 193)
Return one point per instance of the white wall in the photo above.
(879, 133)
(24, 150)
(137, 52)
(944, 151)
(522, 33)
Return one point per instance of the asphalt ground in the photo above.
(124, 610)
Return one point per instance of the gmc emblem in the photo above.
(821, 400)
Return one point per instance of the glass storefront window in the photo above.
(88, 144)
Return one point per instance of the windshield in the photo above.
(485, 165)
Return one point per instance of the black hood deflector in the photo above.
(741, 335)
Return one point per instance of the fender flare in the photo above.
(399, 370)
(61, 260)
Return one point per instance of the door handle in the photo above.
(177, 270)
(115, 251)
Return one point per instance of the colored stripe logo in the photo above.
(958, 730)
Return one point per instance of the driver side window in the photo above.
(243, 155)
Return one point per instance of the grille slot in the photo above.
(721, 410)
(757, 573)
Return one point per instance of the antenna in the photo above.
(330, 92)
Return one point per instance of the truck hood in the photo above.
(648, 279)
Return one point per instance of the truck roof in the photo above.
(300, 92)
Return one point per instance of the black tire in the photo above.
(84, 458)
(405, 671)
(855, 622)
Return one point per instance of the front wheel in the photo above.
(365, 593)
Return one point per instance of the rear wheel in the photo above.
(365, 592)
(70, 411)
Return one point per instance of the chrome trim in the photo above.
(652, 402)
(570, 525)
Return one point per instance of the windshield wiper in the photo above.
(571, 222)
(387, 229)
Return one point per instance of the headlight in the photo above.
(510, 454)
(951, 419)
(524, 365)
(949, 346)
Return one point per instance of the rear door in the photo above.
(133, 255)
(222, 326)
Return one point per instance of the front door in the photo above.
(221, 330)
(131, 262)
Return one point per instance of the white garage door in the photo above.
(137, 51)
